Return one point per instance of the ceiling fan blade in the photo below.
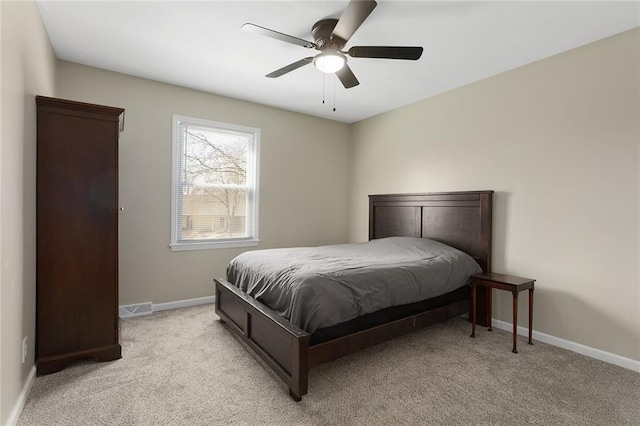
(290, 67)
(352, 17)
(278, 35)
(346, 77)
(386, 52)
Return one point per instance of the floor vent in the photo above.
(135, 310)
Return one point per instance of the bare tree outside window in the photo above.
(209, 160)
(215, 182)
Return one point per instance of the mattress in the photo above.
(320, 287)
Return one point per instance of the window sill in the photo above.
(207, 245)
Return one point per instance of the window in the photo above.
(214, 192)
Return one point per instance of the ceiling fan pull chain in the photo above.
(323, 78)
(334, 93)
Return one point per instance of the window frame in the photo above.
(176, 207)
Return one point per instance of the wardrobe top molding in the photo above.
(82, 109)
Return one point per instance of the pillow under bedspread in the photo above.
(317, 287)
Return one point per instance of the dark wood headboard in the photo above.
(459, 219)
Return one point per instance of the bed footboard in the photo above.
(282, 345)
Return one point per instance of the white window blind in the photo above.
(215, 191)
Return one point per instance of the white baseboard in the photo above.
(147, 308)
(22, 398)
(183, 303)
(572, 346)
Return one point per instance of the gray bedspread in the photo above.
(317, 287)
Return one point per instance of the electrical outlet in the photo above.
(24, 350)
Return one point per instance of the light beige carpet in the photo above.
(182, 367)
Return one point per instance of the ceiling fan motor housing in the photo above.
(322, 30)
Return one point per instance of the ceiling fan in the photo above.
(331, 35)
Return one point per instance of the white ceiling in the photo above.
(200, 45)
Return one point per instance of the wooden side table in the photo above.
(510, 283)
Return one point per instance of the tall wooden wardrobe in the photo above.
(77, 233)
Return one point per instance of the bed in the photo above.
(458, 219)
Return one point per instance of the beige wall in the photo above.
(303, 175)
(558, 141)
(28, 67)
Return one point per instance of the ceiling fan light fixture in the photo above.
(329, 62)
